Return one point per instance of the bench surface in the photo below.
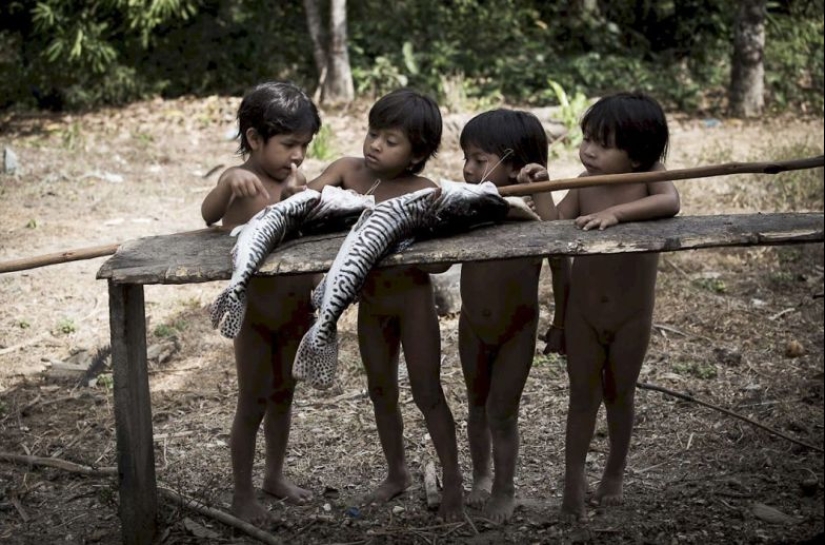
(204, 256)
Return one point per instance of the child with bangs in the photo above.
(499, 312)
(609, 312)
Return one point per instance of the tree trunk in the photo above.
(316, 32)
(338, 86)
(748, 71)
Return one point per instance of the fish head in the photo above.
(337, 210)
(463, 206)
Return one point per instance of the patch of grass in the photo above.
(106, 381)
(704, 371)
(713, 285)
(31, 224)
(553, 362)
(23, 324)
(793, 191)
(73, 137)
(171, 329)
(781, 279)
(66, 326)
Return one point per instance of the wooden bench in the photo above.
(205, 257)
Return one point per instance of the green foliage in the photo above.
(322, 146)
(572, 110)
(70, 55)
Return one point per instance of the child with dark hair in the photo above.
(609, 311)
(277, 121)
(499, 312)
(396, 306)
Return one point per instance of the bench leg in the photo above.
(133, 414)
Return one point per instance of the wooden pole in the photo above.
(63, 257)
(773, 167)
(725, 169)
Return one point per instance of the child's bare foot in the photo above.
(452, 504)
(610, 492)
(480, 492)
(500, 508)
(286, 490)
(389, 489)
(572, 503)
(252, 511)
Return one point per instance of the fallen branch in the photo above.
(686, 397)
(167, 493)
(59, 464)
(724, 169)
(220, 516)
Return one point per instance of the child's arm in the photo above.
(560, 267)
(333, 174)
(543, 202)
(662, 201)
(234, 183)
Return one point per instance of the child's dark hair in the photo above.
(417, 115)
(633, 122)
(517, 137)
(276, 107)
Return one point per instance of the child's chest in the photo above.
(596, 199)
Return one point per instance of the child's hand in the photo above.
(244, 184)
(555, 341)
(294, 183)
(601, 221)
(532, 173)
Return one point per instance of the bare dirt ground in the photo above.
(739, 328)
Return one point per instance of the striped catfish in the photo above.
(256, 240)
(389, 226)
(464, 206)
(307, 211)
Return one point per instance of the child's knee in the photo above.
(282, 397)
(429, 399)
(501, 420)
(384, 397)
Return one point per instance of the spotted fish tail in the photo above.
(228, 311)
(316, 361)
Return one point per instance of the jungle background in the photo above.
(117, 116)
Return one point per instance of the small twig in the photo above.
(431, 486)
(59, 464)
(259, 534)
(686, 397)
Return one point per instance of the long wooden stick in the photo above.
(91, 252)
(773, 167)
(686, 397)
(724, 169)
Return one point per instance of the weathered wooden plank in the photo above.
(203, 257)
(133, 414)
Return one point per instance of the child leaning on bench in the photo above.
(609, 312)
(499, 311)
(277, 121)
(397, 307)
